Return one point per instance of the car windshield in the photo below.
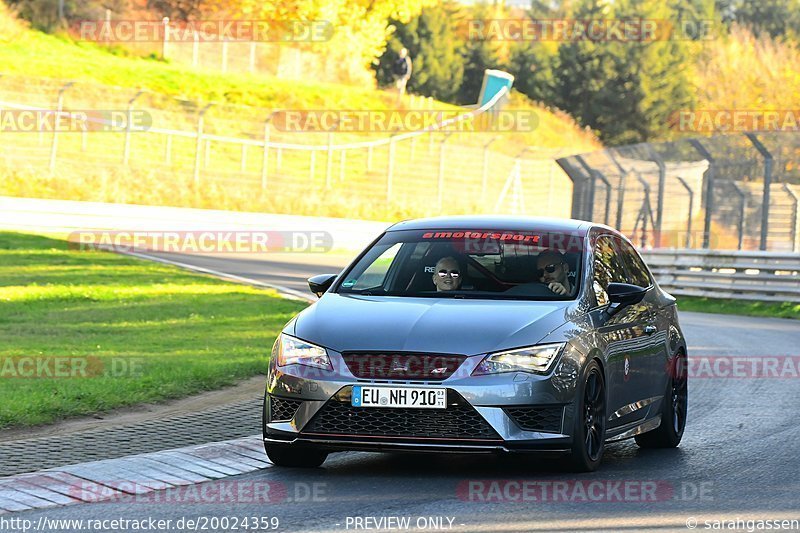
(522, 265)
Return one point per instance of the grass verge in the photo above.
(739, 307)
(143, 332)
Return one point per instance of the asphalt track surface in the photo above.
(739, 460)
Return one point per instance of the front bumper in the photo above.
(498, 413)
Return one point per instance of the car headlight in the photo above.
(536, 359)
(296, 352)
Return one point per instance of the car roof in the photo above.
(496, 222)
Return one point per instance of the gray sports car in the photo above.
(481, 334)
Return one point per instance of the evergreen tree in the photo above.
(582, 71)
(776, 18)
(531, 63)
(625, 90)
(433, 46)
(478, 56)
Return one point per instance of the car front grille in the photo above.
(402, 366)
(282, 409)
(458, 421)
(546, 419)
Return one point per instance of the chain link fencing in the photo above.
(232, 157)
(734, 192)
(226, 47)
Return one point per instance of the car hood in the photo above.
(440, 325)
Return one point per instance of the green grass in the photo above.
(34, 65)
(33, 53)
(739, 307)
(33, 62)
(188, 333)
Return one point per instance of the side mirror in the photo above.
(623, 294)
(320, 284)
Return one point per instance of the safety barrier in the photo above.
(741, 275)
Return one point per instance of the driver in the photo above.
(447, 274)
(553, 271)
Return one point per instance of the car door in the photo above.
(655, 320)
(629, 350)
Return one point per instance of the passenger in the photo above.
(553, 271)
(447, 274)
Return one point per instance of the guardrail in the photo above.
(767, 276)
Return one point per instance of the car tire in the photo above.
(589, 430)
(289, 454)
(673, 409)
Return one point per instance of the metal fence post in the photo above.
(796, 222)
(251, 66)
(768, 159)
(126, 152)
(589, 207)
(621, 199)
(59, 108)
(607, 183)
(224, 56)
(485, 167)
(579, 185)
(243, 165)
(742, 211)
(199, 145)
(645, 210)
(662, 177)
(623, 178)
(342, 164)
(369, 157)
(709, 189)
(691, 210)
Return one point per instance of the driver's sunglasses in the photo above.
(549, 269)
(453, 273)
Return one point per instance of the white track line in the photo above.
(284, 291)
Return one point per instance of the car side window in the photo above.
(608, 268)
(636, 268)
(375, 274)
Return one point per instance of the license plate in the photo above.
(423, 398)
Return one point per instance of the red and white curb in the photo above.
(132, 475)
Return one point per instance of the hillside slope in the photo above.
(162, 168)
